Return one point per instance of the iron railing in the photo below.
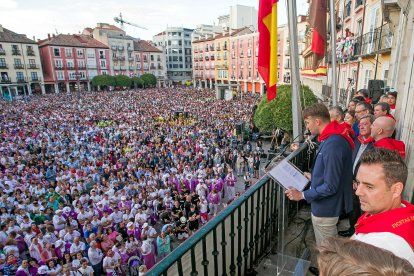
(379, 40)
(235, 241)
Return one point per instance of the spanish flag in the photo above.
(267, 60)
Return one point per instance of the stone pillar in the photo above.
(42, 87)
(10, 95)
(89, 86)
(67, 88)
(29, 89)
(194, 83)
(261, 89)
(56, 88)
(253, 87)
(211, 84)
(245, 87)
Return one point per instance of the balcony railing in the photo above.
(358, 3)
(3, 65)
(120, 48)
(81, 67)
(21, 79)
(70, 67)
(33, 66)
(18, 66)
(113, 48)
(235, 240)
(5, 79)
(152, 67)
(36, 79)
(378, 41)
(159, 67)
(2, 52)
(16, 52)
(30, 53)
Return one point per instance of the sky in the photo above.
(38, 18)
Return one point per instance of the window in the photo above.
(139, 66)
(68, 52)
(60, 75)
(103, 63)
(56, 52)
(58, 64)
(367, 77)
(34, 76)
(19, 76)
(32, 61)
(79, 52)
(101, 54)
(30, 51)
(81, 64)
(17, 62)
(385, 78)
(70, 64)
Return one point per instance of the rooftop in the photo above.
(8, 36)
(72, 40)
(143, 46)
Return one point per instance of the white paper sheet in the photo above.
(288, 176)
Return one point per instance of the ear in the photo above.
(397, 189)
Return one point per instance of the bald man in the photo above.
(382, 130)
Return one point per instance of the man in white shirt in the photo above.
(95, 256)
(111, 263)
(77, 246)
(59, 221)
(117, 215)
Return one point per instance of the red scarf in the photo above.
(366, 141)
(335, 128)
(349, 127)
(392, 106)
(399, 221)
(392, 144)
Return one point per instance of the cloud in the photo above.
(9, 4)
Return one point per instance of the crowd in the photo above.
(359, 171)
(92, 185)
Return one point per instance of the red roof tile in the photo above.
(74, 40)
(143, 46)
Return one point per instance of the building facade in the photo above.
(204, 65)
(149, 59)
(70, 62)
(175, 42)
(20, 66)
(121, 47)
(243, 69)
(239, 16)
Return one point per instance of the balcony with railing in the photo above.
(81, 67)
(59, 67)
(30, 53)
(3, 65)
(32, 66)
(35, 79)
(2, 52)
(120, 48)
(16, 52)
(236, 240)
(70, 67)
(21, 79)
(18, 66)
(376, 42)
(5, 79)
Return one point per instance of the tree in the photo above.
(148, 80)
(278, 113)
(123, 81)
(137, 82)
(103, 81)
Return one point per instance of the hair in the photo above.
(384, 106)
(318, 110)
(343, 257)
(369, 116)
(338, 110)
(355, 100)
(393, 166)
(366, 105)
(364, 92)
(359, 99)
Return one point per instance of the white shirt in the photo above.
(58, 222)
(111, 261)
(95, 255)
(74, 248)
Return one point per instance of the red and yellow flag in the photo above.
(317, 22)
(267, 60)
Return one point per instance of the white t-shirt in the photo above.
(388, 241)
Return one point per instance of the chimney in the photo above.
(53, 35)
(48, 36)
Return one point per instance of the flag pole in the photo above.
(294, 53)
(333, 52)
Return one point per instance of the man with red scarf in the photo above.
(331, 179)
(363, 143)
(388, 221)
(382, 130)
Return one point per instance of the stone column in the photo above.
(245, 87)
(261, 89)
(42, 87)
(89, 86)
(29, 89)
(56, 88)
(253, 87)
(67, 87)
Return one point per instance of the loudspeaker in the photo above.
(376, 90)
